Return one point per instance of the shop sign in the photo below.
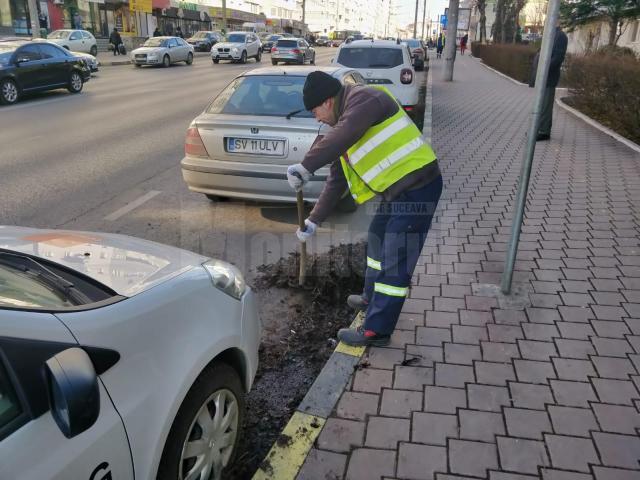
(144, 6)
(188, 6)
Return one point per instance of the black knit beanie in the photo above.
(318, 87)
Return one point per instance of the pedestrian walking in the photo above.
(440, 45)
(179, 32)
(42, 19)
(463, 43)
(157, 32)
(115, 39)
(558, 54)
(374, 149)
(77, 20)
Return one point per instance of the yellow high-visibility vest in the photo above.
(384, 154)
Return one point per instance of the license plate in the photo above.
(255, 146)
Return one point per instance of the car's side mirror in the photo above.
(74, 395)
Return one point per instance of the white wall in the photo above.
(599, 33)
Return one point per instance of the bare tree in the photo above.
(481, 5)
(617, 13)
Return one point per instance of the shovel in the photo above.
(303, 245)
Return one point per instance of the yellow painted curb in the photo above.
(289, 452)
(348, 349)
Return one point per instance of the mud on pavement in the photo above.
(300, 326)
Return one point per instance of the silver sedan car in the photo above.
(292, 50)
(163, 51)
(242, 144)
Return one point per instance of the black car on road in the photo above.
(37, 66)
(204, 40)
(269, 42)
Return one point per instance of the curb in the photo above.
(597, 125)
(115, 64)
(290, 450)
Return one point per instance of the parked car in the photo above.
(75, 40)
(204, 40)
(163, 51)
(417, 49)
(293, 50)
(322, 41)
(269, 42)
(386, 63)
(37, 66)
(242, 144)
(238, 48)
(120, 358)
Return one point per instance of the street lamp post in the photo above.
(224, 16)
(424, 13)
(33, 17)
(415, 21)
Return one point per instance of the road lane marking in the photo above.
(132, 205)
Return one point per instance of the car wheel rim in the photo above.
(76, 82)
(9, 92)
(211, 438)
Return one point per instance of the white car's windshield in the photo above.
(413, 43)
(154, 42)
(20, 289)
(236, 38)
(270, 95)
(58, 34)
(370, 57)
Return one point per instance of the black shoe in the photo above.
(357, 302)
(542, 137)
(362, 338)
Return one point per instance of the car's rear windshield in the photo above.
(268, 95)
(201, 35)
(273, 38)
(236, 38)
(154, 42)
(370, 57)
(58, 34)
(413, 43)
(288, 43)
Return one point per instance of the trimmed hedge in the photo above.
(514, 60)
(607, 88)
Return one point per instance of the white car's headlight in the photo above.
(234, 50)
(226, 277)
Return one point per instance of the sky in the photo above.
(408, 7)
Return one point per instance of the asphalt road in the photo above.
(108, 160)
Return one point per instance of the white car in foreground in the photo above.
(120, 358)
(238, 47)
(386, 63)
(75, 40)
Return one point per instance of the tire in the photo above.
(217, 383)
(137, 65)
(273, 62)
(189, 60)
(216, 198)
(9, 92)
(347, 204)
(94, 50)
(243, 57)
(75, 83)
(67, 47)
(259, 56)
(313, 59)
(216, 61)
(166, 61)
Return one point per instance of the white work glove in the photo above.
(297, 176)
(310, 229)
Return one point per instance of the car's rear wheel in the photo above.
(75, 83)
(166, 61)
(216, 198)
(273, 62)
(9, 92)
(259, 56)
(243, 57)
(216, 61)
(94, 50)
(313, 59)
(190, 58)
(203, 440)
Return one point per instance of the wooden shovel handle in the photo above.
(303, 245)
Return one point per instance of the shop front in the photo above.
(235, 18)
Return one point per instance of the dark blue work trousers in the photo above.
(396, 236)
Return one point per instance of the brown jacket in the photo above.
(359, 108)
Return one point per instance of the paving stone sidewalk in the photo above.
(551, 391)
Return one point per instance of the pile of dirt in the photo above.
(300, 326)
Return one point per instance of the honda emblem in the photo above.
(255, 130)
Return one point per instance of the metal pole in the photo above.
(415, 21)
(33, 18)
(523, 186)
(303, 9)
(450, 45)
(424, 14)
(224, 16)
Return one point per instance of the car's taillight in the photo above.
(418, 50)
(406, 76)
(274, 50)
(296, 51)
(193, 144)
(408, 108)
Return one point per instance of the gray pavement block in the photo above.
(368, 463)
(525, 423)
(443, 399)
(356, 405)
(472, 458)
(400, 403)
(618, 450)
(481, 426)
(433, 428)
(578, 422)
(340, 435)
(522, 456)
(322, 464)
(383, 432)
(571, 453)
(573, 394)
(420, 462)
